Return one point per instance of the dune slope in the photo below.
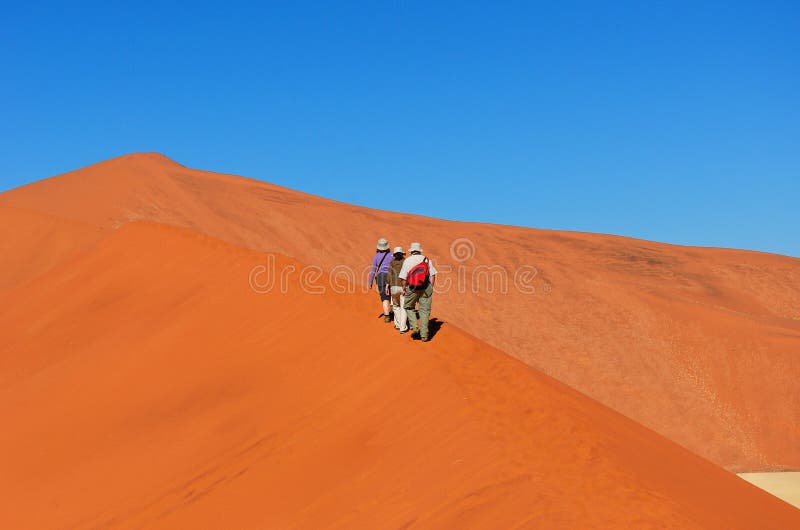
(145, 384)
(698, 344)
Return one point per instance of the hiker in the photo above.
(378, 273)
(395, 286)
(418, 276)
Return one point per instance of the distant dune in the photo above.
(145, 384)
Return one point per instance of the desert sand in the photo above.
(698, 344)
(143, 383)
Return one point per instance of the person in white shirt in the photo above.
(418, 276)
(397, 291)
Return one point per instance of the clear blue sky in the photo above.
(671, 121)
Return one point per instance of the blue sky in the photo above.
(676, 121)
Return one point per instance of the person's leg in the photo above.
(403, 317)
(381, 280)
(425, 301)
(396, 301)
(410, 305)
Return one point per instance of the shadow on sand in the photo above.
(434, 325)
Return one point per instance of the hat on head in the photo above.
(398, 250)
(383, 244)
(415, 247)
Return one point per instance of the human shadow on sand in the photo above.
(434, 325)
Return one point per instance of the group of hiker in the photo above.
(404, 283)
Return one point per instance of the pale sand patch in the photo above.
(785, 484)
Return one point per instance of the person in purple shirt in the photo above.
(378, 273)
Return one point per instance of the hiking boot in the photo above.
(387, 318)
(403, 331)
(415, 333)
(425, 339)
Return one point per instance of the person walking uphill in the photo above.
(396, 290)
(378, 273)
(419, 276)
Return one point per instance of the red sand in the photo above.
(143, 384)
(698, 344)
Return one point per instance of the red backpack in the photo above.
(418, 276)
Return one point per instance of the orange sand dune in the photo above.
(144, 384)
(698, 344)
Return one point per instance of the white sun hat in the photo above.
(398, 250)
(383, 244)
(415, 247)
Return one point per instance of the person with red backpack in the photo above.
(418, 276)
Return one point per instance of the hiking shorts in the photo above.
(381, 280)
